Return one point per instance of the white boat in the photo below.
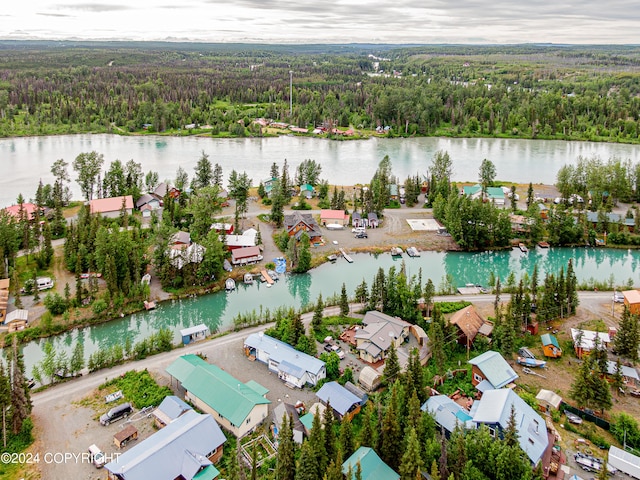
(413, 252)
(248, 278)
(523, 248)
(230, 284)
(396, 251)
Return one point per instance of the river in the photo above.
(28, 159)
(217, 310)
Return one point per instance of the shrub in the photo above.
(55, 303)
(99, 306)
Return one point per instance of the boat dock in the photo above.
(346, 257)
(267, 277)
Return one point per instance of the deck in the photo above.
(267, 277)
(346, 257)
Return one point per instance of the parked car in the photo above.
(328, 348)
(338, 351)
(361, 235)
(572, 417)
(97, 457)
(618, 297)
(116, 413)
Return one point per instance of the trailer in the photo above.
(624, 461)
(593, 464)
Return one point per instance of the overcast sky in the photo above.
(325, 21)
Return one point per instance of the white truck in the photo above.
(624, 461)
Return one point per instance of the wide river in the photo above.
(29, 159)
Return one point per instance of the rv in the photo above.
(44, 283)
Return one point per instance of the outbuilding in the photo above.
(369, 378)
(194, 334)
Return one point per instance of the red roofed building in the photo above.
(29, 208)
(110, 207)
(334, 216)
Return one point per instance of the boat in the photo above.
(227, 266)
(543, 244)
(413, 252)
(112, 397)
(149, 305)
(230, 284)
(248, 278)
(531, 362)
(273, 275)
(592, 464)
(523, 248)
(396, 251)
(525, 352)
(332, 258)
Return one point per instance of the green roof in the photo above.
(371, 465)
(207, 473)
(495, 192)
(307, 187)
(547, 339)
(307, 420)
(182, 367)
(224, 393)
(471, 190)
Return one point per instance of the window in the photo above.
(248, 421)
(492, 432)
(477, 377)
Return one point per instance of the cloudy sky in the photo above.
(325, 21)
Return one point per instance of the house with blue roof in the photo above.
(371, 466)
(186, 448)
(238, 407)
(169, 409)
(447, 414)
(343, 402)
(494, 410)
(292, 366)
(491, 371)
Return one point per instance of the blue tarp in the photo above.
(281, 265)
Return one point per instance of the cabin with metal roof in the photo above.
(238, 407)
(494, 410)
(629, 374)
(186, 449)
(111, 207)
(584, 341)
(491, 371)
(169, 409)
(292, 366)
(371, 466)
(468, 323)
(343, 402)
(447, 413)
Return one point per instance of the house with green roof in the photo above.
(494, 194)
(550, 346)
(238, 407)
(371, 466)
(491, 371)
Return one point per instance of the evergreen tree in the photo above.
(36, 292)
(362, 292)
(77, 358)
(411, 463)
(346, 439)
(391, 365)
(511, 432)
(203, 175)
(304, 255)
(367, 437)
(626, 341)
(285, 460)
(618, 380)
(278, 202)
(498, 290)
(428, 294)
(414, 414)
(308, 467)
(5, 400)
(344, 302)
(317, 443)
(318, 314)
(334, 471)
(391, 433)
(413, 375)
(329, 432)
(20, 399)
(457, 453)
(435, 474)
(297, 329)
(233, 466)
(530, 198)
(254, 463)
(437, 339)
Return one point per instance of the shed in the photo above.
(492, 369)
(126, 435)
(279, 412)
(632, 301)
(18, 316)
(194, 334)
(307, 419)
(245, 255)
(371, 466)
(629, 374)
(169, 409)
(548, 400)
(550, 346)
(369, 378)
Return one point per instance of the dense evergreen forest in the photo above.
(529, 91)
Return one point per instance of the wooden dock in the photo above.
(267, 277)
(346, 257)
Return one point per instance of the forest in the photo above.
(519, 91)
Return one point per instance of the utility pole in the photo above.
(290, 93)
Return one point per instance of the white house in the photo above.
(292, 366)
